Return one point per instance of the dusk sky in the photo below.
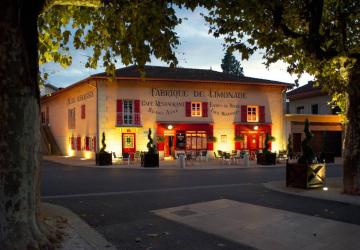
(198, 49)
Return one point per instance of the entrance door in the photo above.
(169, 146)
(252, 142)
(128, 143)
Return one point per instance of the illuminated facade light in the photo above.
(256, 127)
(170, 127)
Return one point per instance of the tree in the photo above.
(131, 30)
(230, 65)
(319, 37)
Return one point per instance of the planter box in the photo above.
(150, 160)
(103, 159)
(305, 175)
(266, 159)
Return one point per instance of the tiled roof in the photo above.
(158, 72)
(306, 90)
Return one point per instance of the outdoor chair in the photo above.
(137, 156)
(116, 158)
(126, 158)
(237, 157)
(190, 157)
(226, 158)
(217, 156)
(203, 156)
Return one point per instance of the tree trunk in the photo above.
(19, 126)
(351, 177)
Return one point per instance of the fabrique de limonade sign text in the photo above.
(170, 106)
(178, 93)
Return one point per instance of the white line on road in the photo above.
(143, 191)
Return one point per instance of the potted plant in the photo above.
(150, 159)
(211, 139)
(267, 157)
(239, 138)
(290, 150)
(306, 173)
(103, 157)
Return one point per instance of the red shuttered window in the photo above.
(87, 143)
(78, 143)
(188, 109)
(243, 113)
(262, 114)
(119, 113)
(204, 109)
(83, 111)
(128, 112)
(137, 112)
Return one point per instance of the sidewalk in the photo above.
(164, 164)
(333, 192)
(265, 228)
(77, 234)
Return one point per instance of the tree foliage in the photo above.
(321, 37)
(126, 30)
(230, 65)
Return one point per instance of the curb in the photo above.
(333, 194)
(88, 235)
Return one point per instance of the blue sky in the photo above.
(198, 49)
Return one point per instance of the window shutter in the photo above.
(78, 144)
(137, 112)
(243, 113)
(83, 111)
(94, 145)
(204, 109)
(119, 113)
(188, 109)
(262, 114)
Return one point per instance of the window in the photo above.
(87, 143)
(128, 112)
(83, 111)
(196, 140)
(71, 118)
(223, 138)
(315, 109)
(252, 114)
(196, 109)
(300, 110)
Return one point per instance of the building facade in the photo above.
(186, 109)
(310, 102)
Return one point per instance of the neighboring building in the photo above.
(312, 103)
(185, 108)
(47, 89)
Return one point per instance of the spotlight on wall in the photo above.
(170, 127)
(256, 127)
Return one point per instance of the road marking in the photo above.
(143, 191)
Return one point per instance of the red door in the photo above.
(128, 143)
(253, 142)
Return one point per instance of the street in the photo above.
(118, 202)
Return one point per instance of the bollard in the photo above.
(246, 159)
(181, 160)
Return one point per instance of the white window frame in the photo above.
(128, 115)
(250, 116)
(196, 109)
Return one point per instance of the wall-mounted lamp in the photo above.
(256, 127)
(170, 127)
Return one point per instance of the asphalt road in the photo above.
(118, 202)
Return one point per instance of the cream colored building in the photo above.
(309, 102)
(185, 109)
